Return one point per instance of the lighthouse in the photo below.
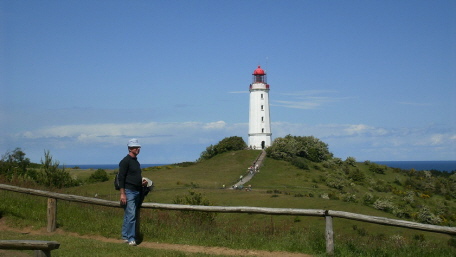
(259, 120)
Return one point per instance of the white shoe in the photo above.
(132, 243)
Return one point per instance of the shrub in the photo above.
(328, 164)
(381, 186)
(376, 168)
(349, 198)
(335, 181)
(225, 145)
(300, 163)
(99, 175)
(368, 199)
(409, 197)
(403, 212)
(51, 175)
(356, 175)
(324, 196)
(384, 205)
(14, 164)
(427, 217)
(195, 217)
(351, 161)
(289, 147)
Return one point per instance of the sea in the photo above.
(105, 166)
(447, 166)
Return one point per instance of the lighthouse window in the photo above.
(262, 130)
(262, 119)
(262, 107)
(261, 96)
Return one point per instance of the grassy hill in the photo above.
(345, 186)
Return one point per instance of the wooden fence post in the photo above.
(329, 234)
(51, 214)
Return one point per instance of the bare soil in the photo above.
(153, 245)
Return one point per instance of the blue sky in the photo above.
(375, 80)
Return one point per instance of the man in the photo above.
(131, 183)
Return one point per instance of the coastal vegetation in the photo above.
(299, 172)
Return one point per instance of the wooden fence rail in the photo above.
(328, 214)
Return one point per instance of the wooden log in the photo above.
(393, 222)
(51, 214)
(42, 248)
(236, 209)
(66, 197)
(241, 209)
(329, 235)
(29, 245)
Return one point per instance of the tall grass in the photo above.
(237, 231)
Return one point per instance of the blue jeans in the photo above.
(130, 211)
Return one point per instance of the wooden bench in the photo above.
(42, 248)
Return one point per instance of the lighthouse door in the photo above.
(262, 144)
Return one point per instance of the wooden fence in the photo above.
(327, 214)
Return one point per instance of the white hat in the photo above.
(133, 143)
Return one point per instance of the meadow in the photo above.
(278, 185)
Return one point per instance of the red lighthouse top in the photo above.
(259, 76)
(258, 71)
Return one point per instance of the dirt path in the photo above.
(162, 246)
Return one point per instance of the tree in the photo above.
(52, 176)
(14, 164)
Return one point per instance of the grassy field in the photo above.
(71, 246)
(278, 184)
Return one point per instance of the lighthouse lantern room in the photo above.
(259, 119)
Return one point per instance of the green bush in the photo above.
(384, 205)
(351, 161)
(368, 199)
(300, 162)
(226, 145)
(356, 175)
(99, 175)
(426, 216)
(195, 217)
(291, 147)
(14, 164)
(376, 168)
(51, 175)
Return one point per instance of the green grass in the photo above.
(278, 184)
(71, 246)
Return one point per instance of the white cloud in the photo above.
(375, 143)
(179, 139)
(306, 105)
(152, 132)
(310, 99)
(215, 125)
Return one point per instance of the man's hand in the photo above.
(123, 197)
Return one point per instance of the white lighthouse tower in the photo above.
(259, 120)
